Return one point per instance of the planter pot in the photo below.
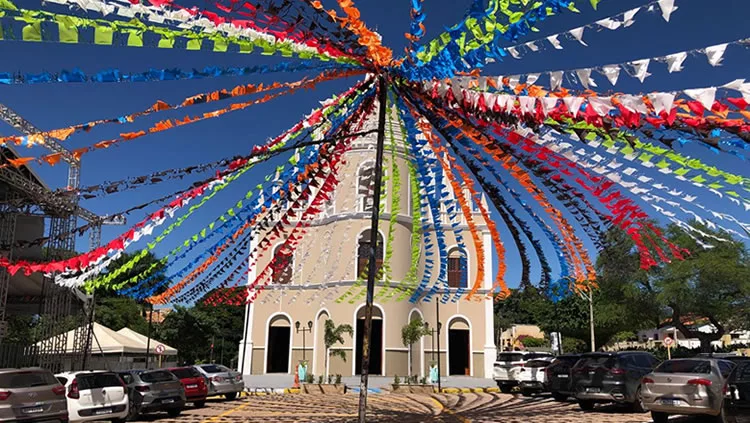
(315, 388)
(413, 389)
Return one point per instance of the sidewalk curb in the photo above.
(254, 392)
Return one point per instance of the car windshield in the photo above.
(685, 366)
(27, 379)
(158, 376)
(510, 357)
(98, 380)
(532, 356)
(538, 363)
(186, 372)
(596, 361)
(212, 368)
(742, 372)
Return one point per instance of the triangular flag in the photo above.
(609, 23)
(612, 72)
(627, 17)
(573, 104)
(513, 52)
(716, 53)
(633, 103)
(584, 76)
(601, 105)
(532, 78)
(667, 8)
(548, 104)
(674, 61)
(554, 41)
(555, 80)
(532, 46)
(705, 96)
(640, 69)
(577, 33)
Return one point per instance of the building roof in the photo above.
(107, 341)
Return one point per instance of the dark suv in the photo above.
(737, 401)
(611, 377)
(559, 377)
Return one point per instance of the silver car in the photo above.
(153, 390)
(222, 380)
(31, 394)
(693, 386)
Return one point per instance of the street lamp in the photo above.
(433, 333)
(303, 330)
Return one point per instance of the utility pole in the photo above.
(148, 334)
(371, 270)
(590, 297)
(439, 325)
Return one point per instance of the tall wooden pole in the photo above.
(371, 268)
(148, 334)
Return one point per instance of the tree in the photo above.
(229, 322)
(189, 330)
(711, 283)
(120, 312)
(335, 335)
(411, 333)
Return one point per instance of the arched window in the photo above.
(282, 269)
(457, 269)
(363, 253)
(365, 187)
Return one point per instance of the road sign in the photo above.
(159, 349)
(668, 341)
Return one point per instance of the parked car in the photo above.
(737, 399)
(532, 376)
(559, 377)
(194, 383)
(612, 377)
(222, 380)
(152, 391)
(507, 368)
(693, 386)
(31, 395)
(95, 395)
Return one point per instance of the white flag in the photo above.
(555, 80)
(628, 16)
(513, 52)
(634, 103)
(705, 96)
(609, 23)
(554, 41)
(573, 104)
(612, 72)
(715, 54)
(674, 61)
(640, 69)
(578, 35)
(667, 8)
(532, 77)
(584, 76)
(662, 101)
(548, 104)
(532, 46)
(601, 105)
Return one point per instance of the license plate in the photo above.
(167, 401)
(191, 386)
(103, 411)
(562, 376)
(33, 410)
(669, 402)
(593, 390)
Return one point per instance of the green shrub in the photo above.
(396, 380)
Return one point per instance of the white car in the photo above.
(533, 376)
(95, 395)
(507, 368)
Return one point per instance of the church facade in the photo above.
(286, 322)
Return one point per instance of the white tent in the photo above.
(107, 341)
(142, 340)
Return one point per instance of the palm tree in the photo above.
(335, 335)
(411, 333)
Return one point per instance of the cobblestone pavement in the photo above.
(402, 408)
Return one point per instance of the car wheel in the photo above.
(230, 396)
(586, 405)
(559, 397)
(505, 388)
(199, 404)
(723, 418)
(526, 392)
(174, 412)
(638, 406)
(118, 420)
(658, 417)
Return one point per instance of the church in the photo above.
(285, 323)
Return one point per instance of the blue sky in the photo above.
(696, 24)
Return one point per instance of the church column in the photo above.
(490, 350)
(245, 352)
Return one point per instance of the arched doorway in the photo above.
(376, 341)
(459, 347)
(278, 344)
(417, 350)
(319, 348)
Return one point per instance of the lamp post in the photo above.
(303, 330)
(433, 334)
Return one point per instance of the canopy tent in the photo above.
(142, 340)
(107, 341)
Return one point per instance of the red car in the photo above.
(194, 384)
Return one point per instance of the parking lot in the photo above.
(474, 407)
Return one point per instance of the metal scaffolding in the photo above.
(60, 309)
